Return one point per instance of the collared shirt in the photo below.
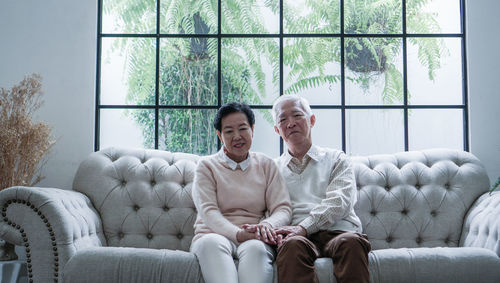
(243, 165)
(322, 189)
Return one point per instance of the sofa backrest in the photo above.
(417, 198)
(407, 199)
(143, 196)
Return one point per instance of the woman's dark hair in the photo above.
(233, 107)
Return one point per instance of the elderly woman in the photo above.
(236, 191)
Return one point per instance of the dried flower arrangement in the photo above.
(24, 144)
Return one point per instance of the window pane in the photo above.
(311, 69)
(373, 16)
(188, 71)
(435, 16)
(128, 71)
(131, 16)
(250, 70)
(185, 17)
(429, 128)
(127, 128)
(250, 17)
(374, 131)
(187, 130)
(313, 16)
(265, 140)
(374, 71)
(327, 131)
(435, 74)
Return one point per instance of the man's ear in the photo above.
(312, 120)
(220, 137)
(253, 129)
(276, 130)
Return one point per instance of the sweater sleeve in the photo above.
(340, 197)
(277, 198)
(205, 200)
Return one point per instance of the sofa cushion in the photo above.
(143, 196)
(434, 265)
(116, 264)
(417, 198)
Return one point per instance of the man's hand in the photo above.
(262, 232)
(284, 232)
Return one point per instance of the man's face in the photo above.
(293, 124)
(236, 135)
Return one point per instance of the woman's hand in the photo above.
(244, 235)
(263, 232)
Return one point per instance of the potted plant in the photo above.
(24, 143)
(495, 186)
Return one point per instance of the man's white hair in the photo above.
(301, 101)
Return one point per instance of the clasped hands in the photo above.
(267, 234)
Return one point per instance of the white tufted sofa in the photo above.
(130, 219)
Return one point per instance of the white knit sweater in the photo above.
(324, 193)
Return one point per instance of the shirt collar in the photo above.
(314, 153)
(233, 164)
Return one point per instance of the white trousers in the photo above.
(215, 254)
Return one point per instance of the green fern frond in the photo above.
(495, 186)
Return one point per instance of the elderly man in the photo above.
(322, 189)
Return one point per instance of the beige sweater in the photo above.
(226, 198)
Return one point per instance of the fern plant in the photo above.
(495, 186)
(188, 66)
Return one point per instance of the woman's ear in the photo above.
(219, 135)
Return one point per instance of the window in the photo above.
(381, 76)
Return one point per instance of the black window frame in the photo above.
(280, 36)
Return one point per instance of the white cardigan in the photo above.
(324, 194)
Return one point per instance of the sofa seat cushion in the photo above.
(116, 264)
(417, 265)
(434, 265)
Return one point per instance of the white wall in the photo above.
(483, 41)
(58, 40)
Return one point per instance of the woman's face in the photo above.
(236, 135)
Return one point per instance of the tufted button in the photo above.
(120, 235)
(180, 236)
(373, 212)
(447, 186)
(165, 208)
(124, 183)
(404, 211)
(433, 213)
(136, 207)
(418, 240)
(387, 188)
(153, 183)
(150, 236)
(417, 186)
(388, 239)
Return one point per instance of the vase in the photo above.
(7, 251)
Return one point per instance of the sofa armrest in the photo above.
(52, 224)
(482, 223)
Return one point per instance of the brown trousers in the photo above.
(349, 252)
